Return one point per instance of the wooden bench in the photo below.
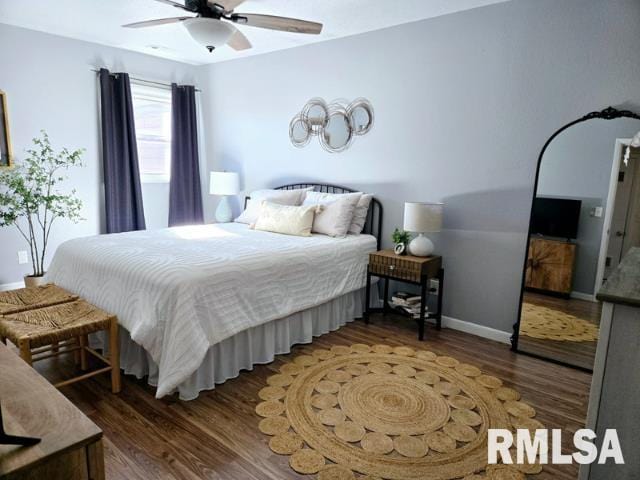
(48, 321)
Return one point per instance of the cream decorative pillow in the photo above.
(287, 219)
(360, 214)
(283, 197)
(335, 219)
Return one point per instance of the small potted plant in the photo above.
(400, 239)
(31, 201)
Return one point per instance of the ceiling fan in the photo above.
(213, 24)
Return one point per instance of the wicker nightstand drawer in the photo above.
(403, 267)
(393, 268)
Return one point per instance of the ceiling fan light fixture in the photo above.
(209, 32)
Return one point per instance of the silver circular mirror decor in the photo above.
(316, 114)
(360, 113)
(336, 125)
(299, 132)
(337, 135)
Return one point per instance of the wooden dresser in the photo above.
(71, 446)
(550, 265)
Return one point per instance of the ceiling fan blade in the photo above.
(174, 4)
(154, 23)
(228, 5)
(238, 41)
(277, 23)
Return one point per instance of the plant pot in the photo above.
(31, 281)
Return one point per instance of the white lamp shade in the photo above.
(208, 31)
(635, 141)
(423, 217)
(224, 183)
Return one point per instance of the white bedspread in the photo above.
(179, 291)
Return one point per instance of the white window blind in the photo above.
(152, 113)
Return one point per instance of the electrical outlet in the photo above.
(23, 257)
(434, 286)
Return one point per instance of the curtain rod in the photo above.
(142, 80)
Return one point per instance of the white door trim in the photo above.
(621, 143)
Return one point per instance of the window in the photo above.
(152, 113)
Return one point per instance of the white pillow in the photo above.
(360, 214)
(283, 197)
(287, 219)
(335, 219)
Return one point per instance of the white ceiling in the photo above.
(100, 21)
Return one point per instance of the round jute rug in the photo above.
(379, 412)
(547, 323)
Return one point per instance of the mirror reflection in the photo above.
(299, 132)
(361, 117)
(585, 217)
(337, 134)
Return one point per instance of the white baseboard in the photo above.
(583, 296)
(475, 329)
(11, 286)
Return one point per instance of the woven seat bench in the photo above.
(48, 321)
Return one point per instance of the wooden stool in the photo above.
(59, 329)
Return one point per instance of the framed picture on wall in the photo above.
(5, 140)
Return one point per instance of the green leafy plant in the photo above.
(30, 198)
(400, 236)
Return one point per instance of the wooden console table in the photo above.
(71, 444)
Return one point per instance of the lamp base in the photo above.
(421, 246)
(223, 212)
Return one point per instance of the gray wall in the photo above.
(49, 86)
(578, 165)
(463, 102)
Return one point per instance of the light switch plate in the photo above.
(597, 212)
(23, 257)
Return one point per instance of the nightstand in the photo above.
(407, 269)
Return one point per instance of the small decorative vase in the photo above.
(32, 281)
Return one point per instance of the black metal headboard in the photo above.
(373, 224)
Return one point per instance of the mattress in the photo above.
(179, 291)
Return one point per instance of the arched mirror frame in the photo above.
(608, 113)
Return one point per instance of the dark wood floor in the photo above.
(580, 354)
(217, 437)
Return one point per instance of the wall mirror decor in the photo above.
(585, 216)
(335, 124)
(338, 133)
(5, 140)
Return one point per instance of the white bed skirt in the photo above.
(257, 345)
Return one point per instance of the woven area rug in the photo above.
(547, 323)
(377, 412)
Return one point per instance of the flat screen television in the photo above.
(555, 217)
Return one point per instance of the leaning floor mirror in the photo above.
(585, 216)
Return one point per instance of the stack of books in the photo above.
(408, 302)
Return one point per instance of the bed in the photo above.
(201, 303)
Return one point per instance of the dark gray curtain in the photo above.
(123, 194)
(185, 195)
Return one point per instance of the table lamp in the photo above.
(422, 218)
(224, 184)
